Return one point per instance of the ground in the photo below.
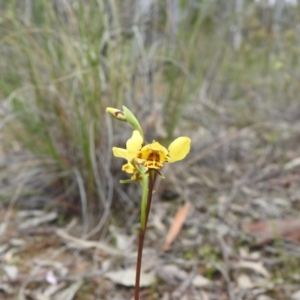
(239, 238)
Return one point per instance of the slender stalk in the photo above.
(139, 264)
(152, 176)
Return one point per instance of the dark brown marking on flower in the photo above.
(125, 168)
(153, 164)
(154, 156)
(119, 112)
(167, 158)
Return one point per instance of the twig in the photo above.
(83, 244)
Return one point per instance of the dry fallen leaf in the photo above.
(176, 225)
(267, 231)
(203, 295)
(171, 274)
(84, 244)
(255, 266)
(11, 271)
(53, 289)
(126, 277)
(200, 282)
(264, 297)
(70, 292)
(292, 164)
(36, 221)
(296, 295)
(244, 282)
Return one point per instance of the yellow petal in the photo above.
(134, 144)
(179, 148)
(119, 152)
(156, 146)
(128, 168)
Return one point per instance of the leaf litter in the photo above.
(242, 196)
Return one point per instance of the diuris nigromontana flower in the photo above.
(155, 155)
(133, 146)
(151, 156)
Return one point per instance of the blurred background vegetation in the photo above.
(183, 67)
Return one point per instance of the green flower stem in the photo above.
(145, 210)
(145, 196)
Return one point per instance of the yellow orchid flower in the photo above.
(130, 169)
(133, 146)
(155, 155)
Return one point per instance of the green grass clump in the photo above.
(64, 65)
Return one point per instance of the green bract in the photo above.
(132, 120)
